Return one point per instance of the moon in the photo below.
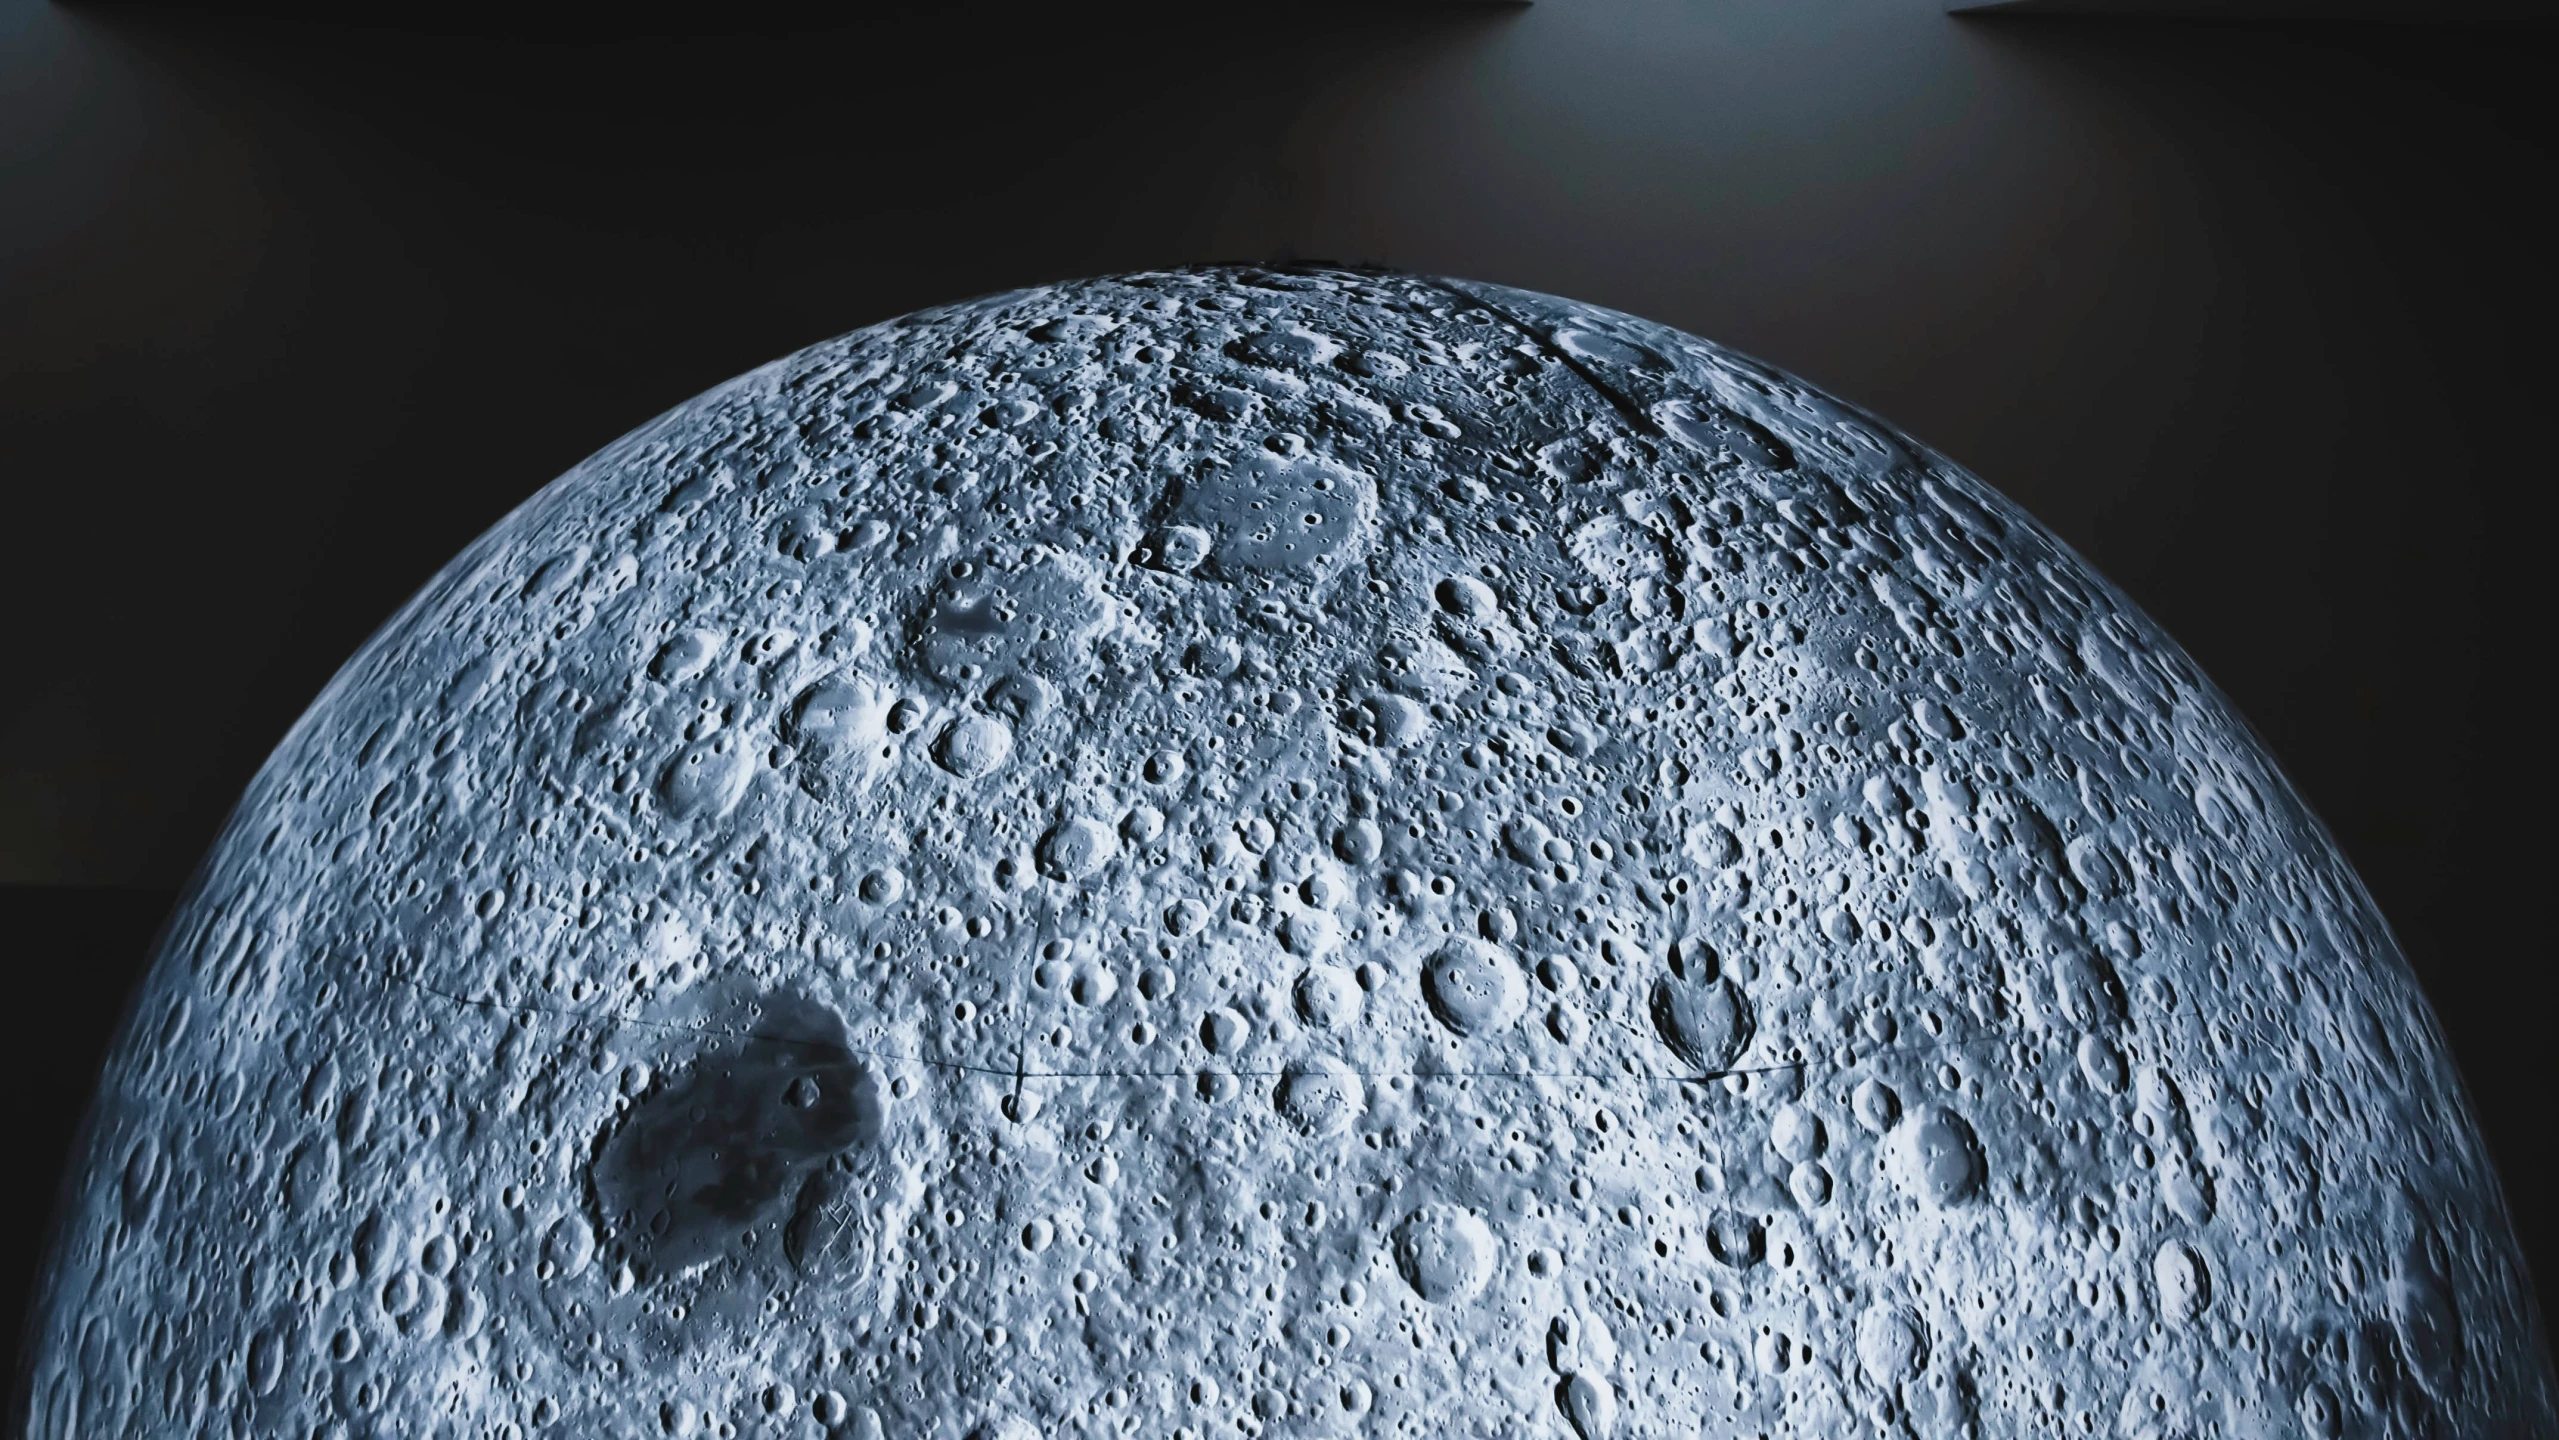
(1282, 852)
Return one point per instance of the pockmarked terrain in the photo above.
(1284, 852)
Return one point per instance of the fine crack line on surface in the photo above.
(1020, 1073)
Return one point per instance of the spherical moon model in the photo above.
(1277, 853)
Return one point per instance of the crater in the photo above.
(718, 1146)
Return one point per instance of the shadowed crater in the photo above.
(716, 1148)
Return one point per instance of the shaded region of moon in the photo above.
(1281, 852)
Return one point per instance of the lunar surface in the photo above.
(1278, 853)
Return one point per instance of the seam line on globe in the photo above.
(602, 1019)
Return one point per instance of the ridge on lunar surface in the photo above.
(1281, 852)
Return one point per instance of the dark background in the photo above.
(2256, 315)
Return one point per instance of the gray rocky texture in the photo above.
(1284, 853)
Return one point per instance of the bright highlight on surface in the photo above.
(1289, 854)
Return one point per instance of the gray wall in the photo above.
(2255, 316)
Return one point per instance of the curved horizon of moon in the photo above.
(1281, 851)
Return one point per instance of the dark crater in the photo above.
(717, 1147)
